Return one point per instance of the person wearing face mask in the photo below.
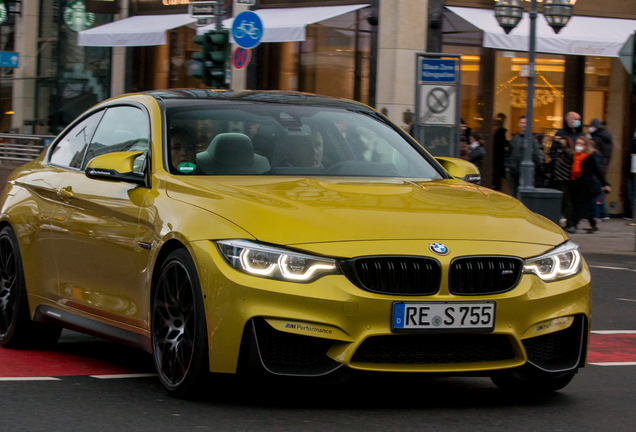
(628, 214)
(585, 168)
(604, 143)
(571, 129)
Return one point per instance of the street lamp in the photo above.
(508, 14)
(557, 13)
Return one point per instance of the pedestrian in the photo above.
(540, 170)
(477, 154)
(561, 176)
(464, 148)
(515, 156)
(571, 129)
(466, 130)
(500, 149)
(604, 143)
(585, 168)
(628, 214)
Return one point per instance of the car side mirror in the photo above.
(117, 166)
(460, 169)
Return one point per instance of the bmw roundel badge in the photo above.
(438, 248)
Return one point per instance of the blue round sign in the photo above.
(247, 29)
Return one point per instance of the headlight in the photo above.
(559, 263)
(275, 263)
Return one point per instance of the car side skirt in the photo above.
(52, 315)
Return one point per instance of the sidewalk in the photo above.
(614, 237)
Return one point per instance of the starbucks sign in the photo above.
(75, 16)
(3, 12)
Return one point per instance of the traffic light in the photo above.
(214, 58)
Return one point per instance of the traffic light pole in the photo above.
(218, 13)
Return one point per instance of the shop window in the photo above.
(332, 61)
(511, 90)
(597, 75)
(471, 59)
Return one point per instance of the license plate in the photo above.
(440, 316)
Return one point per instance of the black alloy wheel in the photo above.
(16, 328)
(8, 285)
(179, 337)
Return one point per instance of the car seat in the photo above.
(231, 153)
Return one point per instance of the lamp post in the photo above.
(508, 14)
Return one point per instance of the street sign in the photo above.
(438, 70)
(437, 105)
(626, 54)
(202, 9)
(241, 57)
(247, 29)
(9, 59)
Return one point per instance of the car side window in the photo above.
(69, 151)
(122, 129)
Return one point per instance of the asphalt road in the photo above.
(599, 398)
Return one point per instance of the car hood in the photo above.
(287, 211)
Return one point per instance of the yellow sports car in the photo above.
(291, 233)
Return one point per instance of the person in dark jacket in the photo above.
(604, 143)
(500, 149)
(585, 168)
(561, 175)
(628, 214)
(477, 154)
(515, 156)
(571, 129)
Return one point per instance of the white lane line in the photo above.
(118, 376)
(614, 331)
(29, 379)
(622, 299)
(612, 268)
(614, 364)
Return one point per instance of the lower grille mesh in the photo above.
(547, 348)
(282, 348)
(433, 349)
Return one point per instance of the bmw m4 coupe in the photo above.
(292, 233)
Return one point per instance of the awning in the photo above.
(600, 37)
(140, 30)
(289, 24)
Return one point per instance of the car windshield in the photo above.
(269, 139)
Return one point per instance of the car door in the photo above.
(99, 261)
(36, 198)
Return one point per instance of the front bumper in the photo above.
(353, 326)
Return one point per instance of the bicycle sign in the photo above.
(247, 29)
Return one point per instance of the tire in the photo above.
(538, 383)
(16, 328)
(179, 330)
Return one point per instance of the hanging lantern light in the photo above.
(508, 14)
(557, 13)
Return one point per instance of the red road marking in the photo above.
(100, 358)
(612, 348)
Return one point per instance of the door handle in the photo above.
(65, 193)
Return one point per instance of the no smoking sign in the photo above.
(437, 105)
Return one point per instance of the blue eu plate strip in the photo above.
(398, 316)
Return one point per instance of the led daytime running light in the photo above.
(247, 266)
(557, 272)
(284, 268)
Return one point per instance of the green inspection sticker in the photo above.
(187, 167)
